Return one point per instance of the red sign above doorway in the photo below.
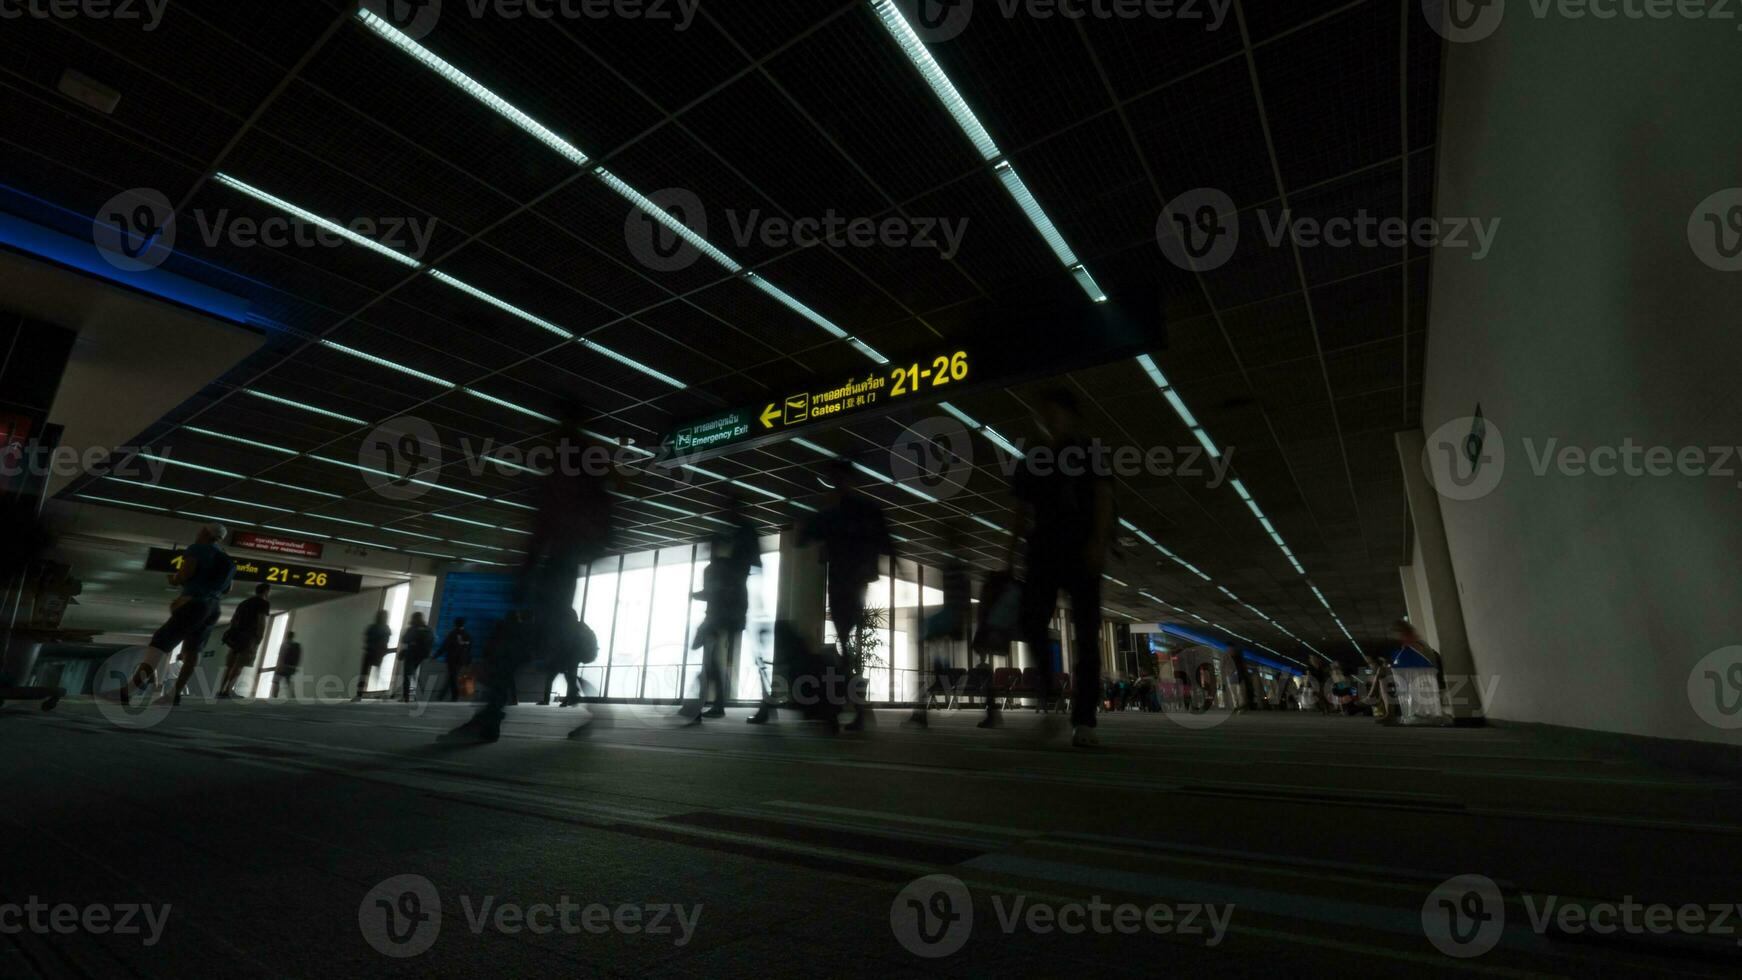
(276, 546)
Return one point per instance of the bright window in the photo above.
(669, 636)
(280, 623)
(396, 600)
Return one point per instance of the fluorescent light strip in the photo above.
(795, 306)
(509, 503)
(246, 442)
(813, 447)
(250, 503)
(465, 83)
(292, 486)
(221, 520)
(802, 506)
(1209, 446)
(339, 520)
(868, 350)
(631, 362)
(292, 530)
(961, 416)
(666, 219)
(431, 554)
(367, 544)
(153, 486)
(389, 365)
(523, 410)
(992, 436)
(463, 520)
(411, 534)
(316, 220)
(915, 491)
(396, 477)
(191, 466)
(502, 305)
(472, 544)
(874, 474)
(1036, 215)
(751, 486)
(1092, 288)
(512, 466)
(710, 474)
(1115, 581)
(125, 503)
(981, 520)
(952, 100)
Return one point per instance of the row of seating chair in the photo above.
(957, 686)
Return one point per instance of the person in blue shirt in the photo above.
(204, 576)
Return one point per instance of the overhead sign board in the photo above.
(276, 545)
(273, 572)
(829, 400)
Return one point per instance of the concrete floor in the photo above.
(266, 829)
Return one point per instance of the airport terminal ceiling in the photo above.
(525, 278)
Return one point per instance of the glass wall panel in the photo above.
(629, 636)
(758, 638)
(905, 632)
(269, 658)
(396, 600)
(692, 658)
(600, 612)
(668, 636)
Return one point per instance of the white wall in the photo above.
(331, 635)
(1588, 600)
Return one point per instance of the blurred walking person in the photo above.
(570, 531)
(726, 590)
(289, 662)
(247, 629)
(1064, 512)
(854, 533)
(456, 656)
(415, 647)
(376, 638)
(204, 575)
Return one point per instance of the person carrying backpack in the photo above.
(456, 655)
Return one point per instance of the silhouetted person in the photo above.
(853, 533)
(946, 627)
(726, 590)
(580, 645)
(247, 628)
(415, 646)
(570, 531)
(191, 649)
(456, 654)
(205, 575)
(1064, 512)
(289, 661)
(376, 637)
